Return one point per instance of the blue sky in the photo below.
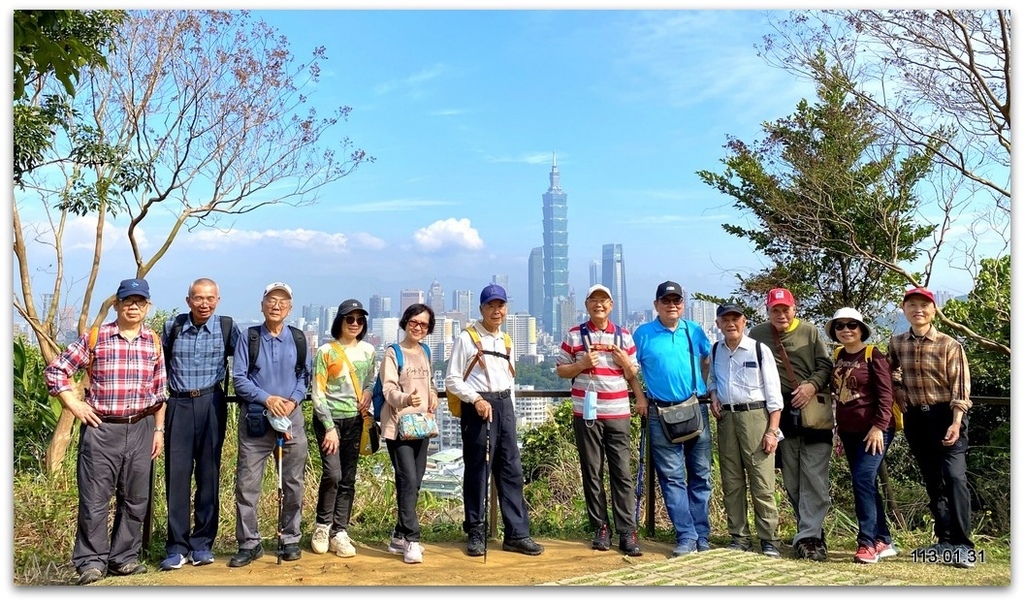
(463, 111)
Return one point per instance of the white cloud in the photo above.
(80, 235)
(297, 238)
(448, 233)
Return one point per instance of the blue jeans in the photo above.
(867, 500)
(684, 475)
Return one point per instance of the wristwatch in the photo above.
(775, 432)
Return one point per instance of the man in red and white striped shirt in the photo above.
(122, 432)
(599, 362)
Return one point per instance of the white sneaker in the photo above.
(341, 545)
(413, 552)
(397, 545)
(321, 538)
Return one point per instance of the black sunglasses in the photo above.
(853, 324)
(352, 319)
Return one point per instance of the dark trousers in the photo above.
(598, 441)
(194, 439)
(944, 469)
(505, 468)
(113, 460)
(867, 499)
(409, 460)
(338, 473)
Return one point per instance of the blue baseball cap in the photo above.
(492, 292)
(133, 286)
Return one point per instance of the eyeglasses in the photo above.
(418, 324)
(138, 303)
(198, 300)
(672, 301)
(853, 324)
(354, 319)
(276, 303)
(604, 301)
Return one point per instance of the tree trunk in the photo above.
(61, 439)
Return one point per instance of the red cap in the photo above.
(780, 296)
(919, 291)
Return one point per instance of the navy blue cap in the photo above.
(668, 288)
(133, 286)
(729, 309)
(492, 292)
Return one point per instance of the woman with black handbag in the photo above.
(407, 424)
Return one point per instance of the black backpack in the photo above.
(300, 349)
(226, 324)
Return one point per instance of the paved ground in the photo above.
(723, 567)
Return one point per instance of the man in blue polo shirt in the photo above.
(674, 359)
(196, 421)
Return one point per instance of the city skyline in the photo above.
(464, 112)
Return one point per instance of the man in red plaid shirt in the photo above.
(122, 432)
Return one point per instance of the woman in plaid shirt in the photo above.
(122, 432)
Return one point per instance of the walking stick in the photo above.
(640, 469)
(279, 453)
(487, 483)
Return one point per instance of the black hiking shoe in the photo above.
(629, 545)
(476, 544)
(526, 546)
(246, 556)
(602, 538)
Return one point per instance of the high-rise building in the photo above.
(435, 297)
(595, 273)
(463, 306)
(556, 252)
(535, 281)
(523, 329)
(613, 276)
(409, 297)
(385, 330)
(313, 318)
(502, 281)
(380, 306)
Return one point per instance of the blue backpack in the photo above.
(378, 387)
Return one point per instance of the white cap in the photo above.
(281, 286)
(596, 288)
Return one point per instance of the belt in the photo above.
(744, 406)
(194, 393)
(922, 407)
(131, 419)
(505, 393)
(673, 403)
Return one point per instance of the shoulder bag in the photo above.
(817, 414)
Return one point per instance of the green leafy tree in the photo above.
(52, 44)
(821, 185)
(201, 117)
(987, 310)
(940, 80)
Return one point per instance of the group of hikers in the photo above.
(779, 396)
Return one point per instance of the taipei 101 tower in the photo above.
(556, 253)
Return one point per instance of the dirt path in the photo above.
(445, 564)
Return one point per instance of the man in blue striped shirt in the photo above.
(196, 350)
